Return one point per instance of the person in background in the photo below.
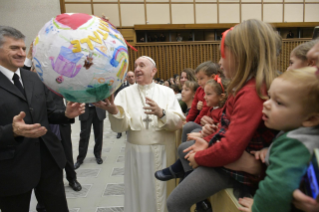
(177, 92)
(188, 94)
(298, 56)
(187, 74)
(290, 35)
(179, 37)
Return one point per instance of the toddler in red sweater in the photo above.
(249, 60)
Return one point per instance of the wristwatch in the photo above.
(164, 113)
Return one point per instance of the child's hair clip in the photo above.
(222, 44)
(219, 81)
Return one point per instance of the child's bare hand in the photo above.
(200, 144)
(247, 203)
(208, 129)
(304, 202)
(206, 120)
(260, 155)
(199, 105)
(194, 135)
(192, 161)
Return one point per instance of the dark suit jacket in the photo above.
(124, 85)
(101, 114)
(20, 164)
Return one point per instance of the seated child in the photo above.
(298, 56)
(188, 93)
(292, 108)
(215, 97)
(204, 72)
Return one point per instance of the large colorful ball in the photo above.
(80, 57)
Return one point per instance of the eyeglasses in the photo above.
(222, 44)
(219, 81)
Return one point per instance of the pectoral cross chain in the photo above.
(147, 120)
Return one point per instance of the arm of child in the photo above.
(246, 203)
(247, 163)
(260, 155)
(304, 202)
(206, 120)
(288, 164)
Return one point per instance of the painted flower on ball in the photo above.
(80, 57)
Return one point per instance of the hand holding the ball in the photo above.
(108, 105)
(74, 109)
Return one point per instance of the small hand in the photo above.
(153, 108)
(108, 105)
(200, 144)
(261, 154)
(20, 128)
(192, 161)
(206, 120)
(194, 135)
(247, 203)
(304, 202)
(74, 109)
(199, 105)
(208, 129)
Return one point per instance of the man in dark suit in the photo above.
(31, 156)
(95, 116)
(130, 80)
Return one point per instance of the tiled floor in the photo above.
(102, 185)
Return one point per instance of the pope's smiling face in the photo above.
(144, 71)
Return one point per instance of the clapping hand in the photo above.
(200, 144)
(209, 129)
(206, 120)
(74, 109)
(20, 128)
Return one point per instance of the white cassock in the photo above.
(147, 150)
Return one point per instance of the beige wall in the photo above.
(127, 13)
(28, 16)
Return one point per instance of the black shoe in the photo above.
(77, 164)
(164, 177)
(119, 135)
(99, 160)
(203, 206)
(75, 185)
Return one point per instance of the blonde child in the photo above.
(249, 61)
(298, 56)
(292, 108)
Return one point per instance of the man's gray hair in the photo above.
(6, 31)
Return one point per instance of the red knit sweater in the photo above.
(244, 112)
(215, 115)
(194, 114)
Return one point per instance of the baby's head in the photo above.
(298, 56)
(293, 100)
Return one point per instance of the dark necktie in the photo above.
(17, 83)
